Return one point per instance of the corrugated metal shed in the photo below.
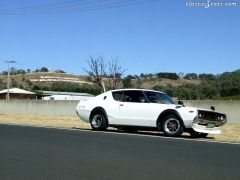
(16, 91)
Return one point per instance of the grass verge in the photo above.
(230, 131)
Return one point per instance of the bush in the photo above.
(173, 76)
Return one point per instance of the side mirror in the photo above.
(180, 103)
(212, 108)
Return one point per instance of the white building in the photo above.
(53, 95)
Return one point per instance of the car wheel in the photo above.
(98, 121)
(195, 134)
(172, 126)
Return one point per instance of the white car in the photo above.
(141, 109)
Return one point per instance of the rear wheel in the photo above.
(98, 121)
(172, 126)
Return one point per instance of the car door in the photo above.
(132, 109)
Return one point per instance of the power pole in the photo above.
(8, 78)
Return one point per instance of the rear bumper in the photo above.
(83, 114)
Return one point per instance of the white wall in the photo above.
(67, 108)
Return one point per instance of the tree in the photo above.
(59, 71)
(208, 90)
(127, 82)
(114, 74)
(190, 76)
(44, 69)
(21, 71)
(205, 76)
(173, 76)
(14, 83)
(229, 83)
(98, 72)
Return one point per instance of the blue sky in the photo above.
(159, 36)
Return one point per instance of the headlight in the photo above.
(220, 117)
(200, 115)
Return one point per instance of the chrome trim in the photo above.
(201, 121)
(210, 117)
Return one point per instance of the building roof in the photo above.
(16, 91)
(50, 93)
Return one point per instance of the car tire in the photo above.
(98, 121)
(195, 134)
(172, 126)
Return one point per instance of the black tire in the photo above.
(98, 121)
(195, 134)
(172, 126)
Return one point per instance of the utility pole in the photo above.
(8, 78)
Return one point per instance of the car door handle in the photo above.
(121, 105)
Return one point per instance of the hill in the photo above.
(151, 83)
(191, 86)
(46, 80)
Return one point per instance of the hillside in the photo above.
(149, 84)
(46, 80)
(191, 86)
(42, 79)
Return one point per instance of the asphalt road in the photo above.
(41, 153)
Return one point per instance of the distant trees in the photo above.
(59, 71)
(2, 85)
(173, 76)
(73, 87)
(190, 76)
(207, 76)
(127, 81)
(44, 69)
(229, 83)
(14, 71)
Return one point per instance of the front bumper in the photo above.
(209, 122)
(205, 122)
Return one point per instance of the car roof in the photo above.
(134, 89)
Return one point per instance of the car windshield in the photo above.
(158, 97)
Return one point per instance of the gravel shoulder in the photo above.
(230, 132)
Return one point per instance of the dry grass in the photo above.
(230, 132)
(44, 121)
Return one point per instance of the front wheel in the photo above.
(172, 126)
(98, 121)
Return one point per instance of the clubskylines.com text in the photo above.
(209, 4)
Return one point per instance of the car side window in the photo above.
(117, 95)
(156, 97)
(133, 96)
